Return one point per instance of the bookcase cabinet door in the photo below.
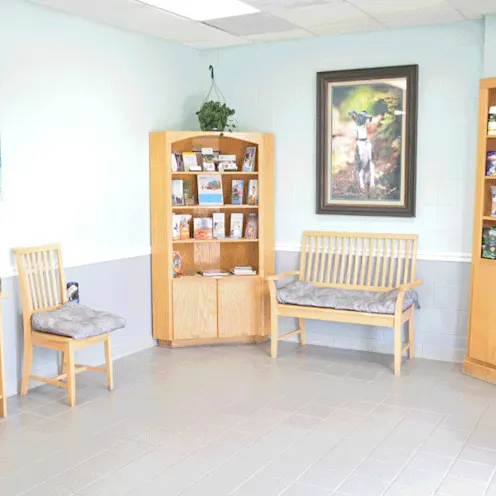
(239, 306)
(482, 340)
(194, 304)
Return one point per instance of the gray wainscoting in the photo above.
(121, 286)
(441, 323)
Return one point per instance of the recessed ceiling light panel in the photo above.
(203, 10)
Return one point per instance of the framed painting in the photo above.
(366, 141)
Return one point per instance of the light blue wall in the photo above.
(490, 47)
(77, 101)
(273, 88)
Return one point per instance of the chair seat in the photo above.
(76, 321)
(306, 294)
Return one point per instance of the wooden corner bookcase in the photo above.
(480, 361)
(204, 310)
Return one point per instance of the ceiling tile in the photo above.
(284, 4)
(206, 45)
(293, 34)
(245, 25)
(474, 9)
(319, 15)
(357, 25)
(139, 18)
(402, 13)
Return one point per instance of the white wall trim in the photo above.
(421, 255)
(146, 251)
(89, 259)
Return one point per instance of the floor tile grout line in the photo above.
(434, 427)
(85, 460)
(330, 449)
(355, 468)
(209, 442)
(257, 439)
(462, 448)
(418, 450)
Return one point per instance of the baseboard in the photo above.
(479, 370)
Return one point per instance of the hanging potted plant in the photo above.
(214, 114)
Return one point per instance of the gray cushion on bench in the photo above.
(76, 321)
(306, 294)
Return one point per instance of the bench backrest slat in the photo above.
(358, 259)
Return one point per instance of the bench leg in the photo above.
(274, 336)
(397, 346)
(411, 337)
(303, 332)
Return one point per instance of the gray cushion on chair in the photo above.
(76, 321)
(306, 294)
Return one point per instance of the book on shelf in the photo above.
(214, 273)
(236, 228)
(489, 243)
(176, 227)
(491, 163)
(189, 197)
(177, 192)
(177, 162)
(185, 226)
(249, 161)
(210, 190)
(219, 223)
(191, 162)
(208, 159)
(203, 228)
(227, 163)
(243, 271)
(251, 230)
(238, 187)
(253, 192)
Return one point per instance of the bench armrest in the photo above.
(410, 285)
(283, 275)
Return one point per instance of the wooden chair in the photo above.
(378, 263)
(43, 288)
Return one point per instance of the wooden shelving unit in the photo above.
(480, 361)
(203, 310)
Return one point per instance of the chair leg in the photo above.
(397, 346)
(71, 374)
(303, 332)
(108, 361)
(62, 364)
(411, 335)
(26, 372)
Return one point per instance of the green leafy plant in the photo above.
(215, 116)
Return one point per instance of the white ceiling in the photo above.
(277, 19)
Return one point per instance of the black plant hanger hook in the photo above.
(211, 69)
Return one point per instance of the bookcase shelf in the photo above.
(194, 310)
(480, 361)
(224, 173)
(181, 208)
(224, 240)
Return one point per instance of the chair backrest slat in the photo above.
(380, 261)
(41, 277)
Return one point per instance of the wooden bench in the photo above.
(353, 261)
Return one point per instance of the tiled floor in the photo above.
(229, 420)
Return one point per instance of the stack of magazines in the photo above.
(214, 273)
(243, 271)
